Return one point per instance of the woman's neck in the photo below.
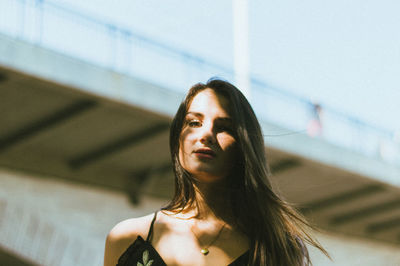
(213, 202)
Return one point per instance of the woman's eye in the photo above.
(194, 123)
(225, 128)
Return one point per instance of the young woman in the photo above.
(224, 211)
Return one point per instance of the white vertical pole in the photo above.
(241, 46)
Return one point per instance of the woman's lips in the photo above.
(205, 153)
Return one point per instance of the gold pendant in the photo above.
(204, 251)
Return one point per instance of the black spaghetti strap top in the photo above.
(142, 253)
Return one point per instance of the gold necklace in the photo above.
(205, 250)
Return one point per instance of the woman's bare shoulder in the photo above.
(123, 235)
(131, 227)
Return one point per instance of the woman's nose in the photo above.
(207, 135)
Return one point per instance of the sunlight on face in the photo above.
(207, 144)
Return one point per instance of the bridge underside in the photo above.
(54, 130)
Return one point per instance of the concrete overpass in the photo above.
(69, 119)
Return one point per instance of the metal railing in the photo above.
(32, 236)
(79, 35)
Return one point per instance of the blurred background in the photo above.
(88, 89)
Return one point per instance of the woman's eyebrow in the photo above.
(195, 114)
(225, 119)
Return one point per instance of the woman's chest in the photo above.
(184, 249)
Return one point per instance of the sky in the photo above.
(342, 54)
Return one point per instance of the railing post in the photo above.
(241, 46)
(22, 21)
(113, 45)
(39, 20)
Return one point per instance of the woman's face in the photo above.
(207, 146)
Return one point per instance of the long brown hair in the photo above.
(277, 232)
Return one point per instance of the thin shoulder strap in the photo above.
(149, 235)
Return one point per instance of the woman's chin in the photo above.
(207, 177)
